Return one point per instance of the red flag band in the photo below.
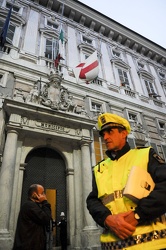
(88, 70)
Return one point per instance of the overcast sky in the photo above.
(146, 17)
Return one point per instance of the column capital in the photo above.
(69, 171)
(22, 166)
(12, 131)
(85, 141)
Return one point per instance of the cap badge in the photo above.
(103, 120)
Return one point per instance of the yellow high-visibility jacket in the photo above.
(111, 179)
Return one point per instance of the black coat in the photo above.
(63, 229)
(30, 231)
(150, 207)
(63, 233)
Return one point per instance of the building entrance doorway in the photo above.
(45, 166)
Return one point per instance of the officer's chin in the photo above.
(109, 146)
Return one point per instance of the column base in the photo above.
(90, 238)
(6, 241)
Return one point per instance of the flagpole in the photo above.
(58, 55)
(53, 49)
(61, 18)
(100, 42)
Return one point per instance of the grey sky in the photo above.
(146, 17)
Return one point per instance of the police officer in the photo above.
(127, 225)
(63, 231)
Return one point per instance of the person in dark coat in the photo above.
(34, 217)
(63, 231)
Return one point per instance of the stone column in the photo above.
(90, 233)
(71, 203)
(6, 186)
(86, 179)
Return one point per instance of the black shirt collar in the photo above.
(116, 155)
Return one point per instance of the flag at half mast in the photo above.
(4, 30)
(88, 70)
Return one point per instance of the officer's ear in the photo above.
(124, 133)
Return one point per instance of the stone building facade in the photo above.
(48, 131)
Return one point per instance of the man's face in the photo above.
(40, 190)
(114, 139)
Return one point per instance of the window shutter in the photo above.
(120, 75)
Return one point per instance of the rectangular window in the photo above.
(51, 48)
(135, 121)
(116, 53)
(132, 117)
(96, 107)
(140, 65)
(10, 32)
(14, 8)
(162, 128)
(150, 88)
(86, 40)
(52, 25)
(161, 125)
(3, 78)
(123, 78)
(162, 75)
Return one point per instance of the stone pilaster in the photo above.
(71, 202)
(90, 233)
(6, 187)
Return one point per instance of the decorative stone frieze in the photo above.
(52, 126)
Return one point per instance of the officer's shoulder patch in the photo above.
(97, 164)
(158, 158)
(100, 161)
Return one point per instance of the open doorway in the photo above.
(51, 198)
(46, 166)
